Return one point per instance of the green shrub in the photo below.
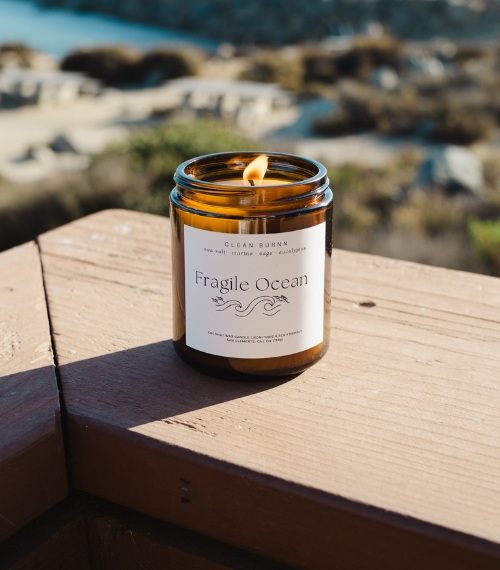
(450, 118)
(347, 178)
(430, 214)
(491, 168)
(356, 111)
(320, 66)
(368, 53)
(371, 183)
(339, 123)
(397, 113)
(441, 86)
(113, 65)
(272, 67)
(485, 235)
(364, 196)
(493, 108)
(358, 62)
(460, 125)
(162, 64)
(468, 52)
(362, 108)
(119, 65)
(355, 216)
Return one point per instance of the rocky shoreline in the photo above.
(281, 22)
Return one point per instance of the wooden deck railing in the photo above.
(384, 455)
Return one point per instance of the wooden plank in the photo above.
(124, 539)
(393, 439)
(56, 540)
(84, 532)
(32, 466)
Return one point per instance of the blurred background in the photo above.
(400, 99)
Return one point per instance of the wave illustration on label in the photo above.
(270, 306)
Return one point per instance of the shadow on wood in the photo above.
(146, 384)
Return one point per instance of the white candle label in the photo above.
(254, 295)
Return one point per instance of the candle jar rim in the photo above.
(184, 174)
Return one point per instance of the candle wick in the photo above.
(252, 183)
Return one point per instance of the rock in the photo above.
(453, 169)
(386, 78)
(429, 66)
(373, 29)
(63, 144)
(226, 51)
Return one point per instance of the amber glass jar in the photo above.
(251, 265)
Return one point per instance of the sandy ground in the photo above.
(89, 123)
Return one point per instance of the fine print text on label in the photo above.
(254, 295)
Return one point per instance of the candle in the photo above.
(251, 250)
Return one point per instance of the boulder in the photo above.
(428, 66)
(453, 169)
(62, 143)
(386, 78)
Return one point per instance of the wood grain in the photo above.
(392, 441)
(32, 467)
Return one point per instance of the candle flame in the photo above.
(254, 173)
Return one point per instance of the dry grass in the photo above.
(272, 66)
(430, 214)
(447, 118)
(458, 124)
(15, 54)
(467, 52)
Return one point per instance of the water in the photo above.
(58, 31)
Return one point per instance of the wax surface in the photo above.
(240, 182)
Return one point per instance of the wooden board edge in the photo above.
(45, 461)
(291, 524)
